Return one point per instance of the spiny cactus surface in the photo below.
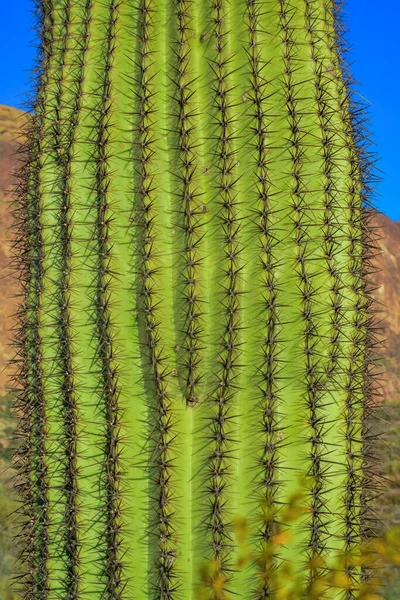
(195, 332)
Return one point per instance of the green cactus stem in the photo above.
(196, 334)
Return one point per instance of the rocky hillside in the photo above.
(388, 278)
(388, 293)
(11, 121)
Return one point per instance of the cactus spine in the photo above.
(196, 330)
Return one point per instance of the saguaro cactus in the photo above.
(196, 330)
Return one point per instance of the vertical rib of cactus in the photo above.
(252, 208)
(190, 271)
(169, 421)
(355, 305)
(303, 371)
(204, 120)
(263, 69)
(342, 188)
(208, 122)
(106, 298)
(28, 243)
(52, 315)
(189, 211)
(31, 453)
(222, 406)
(336, 199)
(68, 109)
(84, 318)
(326, 404)
(125, 411)
(33, 448)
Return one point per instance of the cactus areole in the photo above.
(195, 334)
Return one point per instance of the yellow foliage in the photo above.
(284, 580)
(218, 585)
(280, 539)
(341, 580)
(317, 588)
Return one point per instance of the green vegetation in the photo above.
(9, 521)
(388, 427)
(7, 544)
(7, 426)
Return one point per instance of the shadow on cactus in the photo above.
(197, 330)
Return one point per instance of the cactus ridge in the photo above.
(331, 225)
(362, 325)
(268, 369)
(222, 438)
(68, 527)
(190, 209)
(113, 567)
(65, 141)
(197, 327)
(164, 435)
(302, 223)
(60, 417)
(30, 458)
(353, 115)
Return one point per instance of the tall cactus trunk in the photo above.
(196, 334)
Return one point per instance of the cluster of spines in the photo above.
(355, 115)
(29, 459)
(219, 463)
(70, 420)
(330, 226)
(62, 135)
(192, 211)
(351, 386)
(363, 237)
(355, 373)
(162, 529)
(113, 568)
(71, 416)
(268, 370)
(315, 386)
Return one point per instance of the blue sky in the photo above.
(372, 33)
